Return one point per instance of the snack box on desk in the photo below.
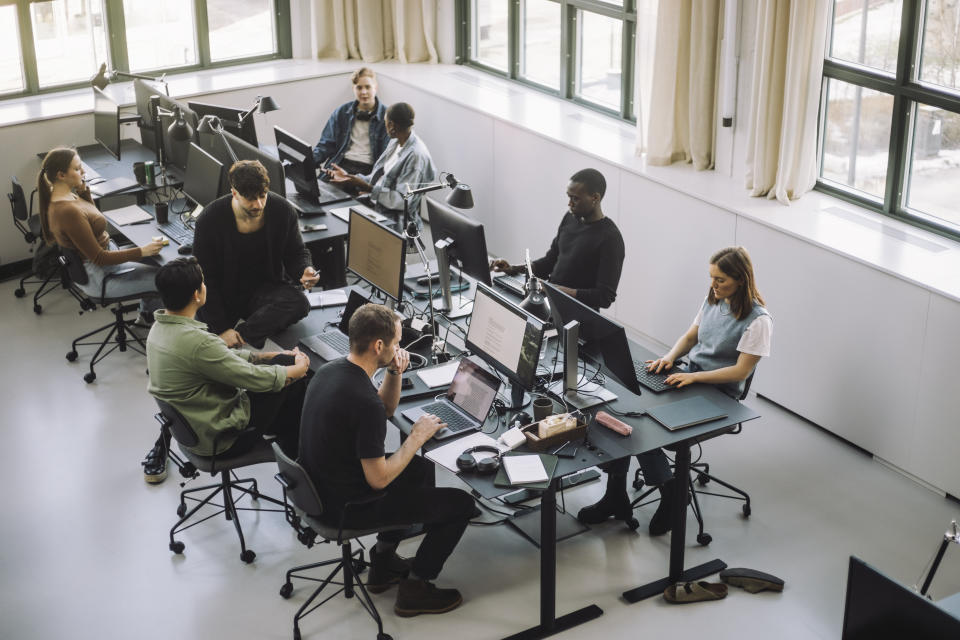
(536, 443)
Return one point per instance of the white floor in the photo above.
(83, 540)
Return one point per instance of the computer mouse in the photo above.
(185, 249)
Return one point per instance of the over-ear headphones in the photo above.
(363, 115)
(467, 463)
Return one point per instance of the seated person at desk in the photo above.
(69, 218)
(231, 398)
(406, 161)
(355, 134)
(586, 256)
(250, 248)
(342, 448)
(730, 334)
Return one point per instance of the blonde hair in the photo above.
(361, 72)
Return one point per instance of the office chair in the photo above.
(29, 226)
(305, 515)
(223, 465)
(700, 475)
(119, 334)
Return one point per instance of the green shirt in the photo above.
(205, 380)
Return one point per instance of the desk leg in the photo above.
(550, 624)
(677, 540)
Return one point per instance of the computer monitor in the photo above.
(106, 122)
(230, 118)
(213, 144)
(878, 607)
(602, 337)
(142, 90)
(175, 150)
(376, 254)
(298, 164)
(506, 337)
(458, 240)
(203, 177)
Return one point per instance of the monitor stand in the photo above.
(446, 305)
(587, 395)
(519, 398)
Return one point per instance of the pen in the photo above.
(560, 448)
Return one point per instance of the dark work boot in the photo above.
(421, 596)
(614, 504)
(662, 520)
(386, 569)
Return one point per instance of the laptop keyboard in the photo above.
(175, 230)
(337, 340)
(455, 420)
(653, 381)
(513, 284)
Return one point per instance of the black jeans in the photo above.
(274, 414)
(412, 499)
(653, 464)
(271, 309)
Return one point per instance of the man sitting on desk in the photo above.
(586, 256)
(355, 134)
(342, 448)
(250, 248)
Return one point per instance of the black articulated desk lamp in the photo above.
(263, 104)
(179, 130)
(212, 125)
(105, 77)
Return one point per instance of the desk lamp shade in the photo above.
(461, 196)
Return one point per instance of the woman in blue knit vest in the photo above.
(730, 334)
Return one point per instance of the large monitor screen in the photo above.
(142, 90)
(106, 122)
(468, 245)
(505, 336)
(376, 254)
(203, 177)
(298, 165)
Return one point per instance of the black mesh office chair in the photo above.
(700, 476)
(222, 465)
(29, 226)
(305, 515)
(118, 332)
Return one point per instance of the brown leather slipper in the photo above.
(684, 592)
(751, 580)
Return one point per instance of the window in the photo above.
(890, 109)
(582, 50)
(48, 45)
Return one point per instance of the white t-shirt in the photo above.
(756, 339)
(359, 148)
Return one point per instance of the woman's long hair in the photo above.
(56, 161)
(735, 262)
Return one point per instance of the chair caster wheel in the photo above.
(384, 636)
(71, 356)
(746, 511)
(177, 547)
(286, 590)
(248, 556)
(89, 377)
(632, 523)
(702, 480)
(20, 292)
(181, 510)
(188, 470)
(637, 485)
(359, 566)
(37, 309)
(704, 538)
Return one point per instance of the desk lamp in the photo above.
(179, 130)
(211, 124)
(536, 301)
(263, 104)
(105, 77)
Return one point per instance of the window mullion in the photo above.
(203, 32)
(31, 77)
(117, 36)
(899, 155)
(628, 50)
(513, 40)
(283, 28)
(568, 45)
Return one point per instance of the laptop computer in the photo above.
(686, 413)
(465, 407)
(335, 342)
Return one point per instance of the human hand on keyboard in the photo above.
(681, 379)
(424, 428)
(659, 365)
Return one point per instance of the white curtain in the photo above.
(375, 30)
(785, 98)
(683, 102)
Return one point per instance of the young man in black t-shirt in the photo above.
(342, 434)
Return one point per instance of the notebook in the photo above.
(466, 404)
(686, 413)
(548, 461)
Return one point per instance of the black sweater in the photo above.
(587, 257)
(215, 249)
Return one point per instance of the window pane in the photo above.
(599, 58)
(935, 164)
(11, 67)
(856, 137)
(70, 40)
(160, 34)
(541, 42)
(240, 28)
(867, 32)
(940, 56)
(490, 33)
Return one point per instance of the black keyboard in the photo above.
(455, 420)
(175, 230)
(653, 381)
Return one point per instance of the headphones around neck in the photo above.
(363, 115)
(486, 466)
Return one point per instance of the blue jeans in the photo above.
(127, 279)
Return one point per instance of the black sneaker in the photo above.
(155, 464)
(386, 570)
(421, 596)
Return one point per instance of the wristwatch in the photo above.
(393, 371)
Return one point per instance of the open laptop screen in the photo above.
(473, 389)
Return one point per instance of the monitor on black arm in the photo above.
(376, 254)
(106, 122)
(230, 119)
(298, 164)
(506, 337)
(142, 90)
(467, 246)
(203, 178)
(213, 144)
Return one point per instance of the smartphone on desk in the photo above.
(313, 227)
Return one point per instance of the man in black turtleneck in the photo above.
(586, 256)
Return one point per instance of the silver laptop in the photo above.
(465, 407)
(335, 342)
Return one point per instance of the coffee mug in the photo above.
(140, 172)
(161, 209)
(542, 407)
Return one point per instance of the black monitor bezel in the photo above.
(355, 214)
(514, 376)
(142, 91)
(468, 238)
(193, 149)
(296, 155)
(212, 143)
(106, 122)
(175, 150)
(230, 119)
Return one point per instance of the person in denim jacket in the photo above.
(355, 134)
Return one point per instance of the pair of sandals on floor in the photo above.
(749, 579)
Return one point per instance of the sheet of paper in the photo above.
(525, 469)
(332, 298)
(447, 454)
(128, 215)
(439, 376)
(344, 213)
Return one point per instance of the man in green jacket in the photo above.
(230, 397)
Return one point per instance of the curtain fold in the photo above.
(683, 103)
(375, 30)
(785, 98)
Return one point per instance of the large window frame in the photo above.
(908, 92)
(117, 45)
(568, 62)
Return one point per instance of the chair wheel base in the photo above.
(181, 510)
(37, 309)
(286, 590)
(704, 538)
(89, 377)
(384, 636)
(632, 523)
(71, 356)
(20, 293)
(177, 547)
(247, 556)
(746, 511)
